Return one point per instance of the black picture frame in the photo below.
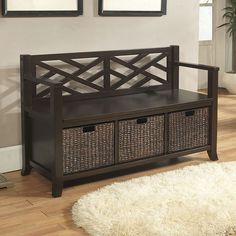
(33, 13)
(162, 12)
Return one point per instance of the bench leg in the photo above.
(26, 169)
(212, 155)
(57, 187)
(26, 145)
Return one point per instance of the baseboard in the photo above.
(10, 159)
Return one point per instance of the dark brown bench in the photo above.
(90, 113)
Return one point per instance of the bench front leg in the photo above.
(56, 122)
(27, 94)
(213, 93)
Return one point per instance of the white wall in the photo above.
(87, 33)
(220, 41)
(228, 50)
(213, 53)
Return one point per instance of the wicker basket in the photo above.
(86, 148)
(141, 138)
(188, 129)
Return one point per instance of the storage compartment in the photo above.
(188, 129)
(88, 147)
(141, 138)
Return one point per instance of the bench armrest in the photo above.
(197, 66)
(212, 76)
(55, 94)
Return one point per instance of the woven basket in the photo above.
(141, 138)
(188, 129)
(86, 148)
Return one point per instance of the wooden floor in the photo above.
(28, 208)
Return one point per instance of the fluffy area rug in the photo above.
(196, 200)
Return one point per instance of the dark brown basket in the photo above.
(188, 129)
(88, 147)
(141, 138)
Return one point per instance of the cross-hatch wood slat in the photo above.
(73, 77)
(138, 70)
(141, 68)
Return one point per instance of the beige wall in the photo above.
(86, 33)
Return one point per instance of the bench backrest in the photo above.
(105, 73)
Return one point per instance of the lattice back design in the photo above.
(102, 72)
(143, 70)
(78, 75)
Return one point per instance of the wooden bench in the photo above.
(90, 113)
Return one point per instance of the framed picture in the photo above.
(38, 8)
(132, 7)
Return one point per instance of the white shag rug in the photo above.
(193, 201)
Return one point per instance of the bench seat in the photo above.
(119, 106)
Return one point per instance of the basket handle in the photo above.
(190, 113)
(89, 129)
(142, 120)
